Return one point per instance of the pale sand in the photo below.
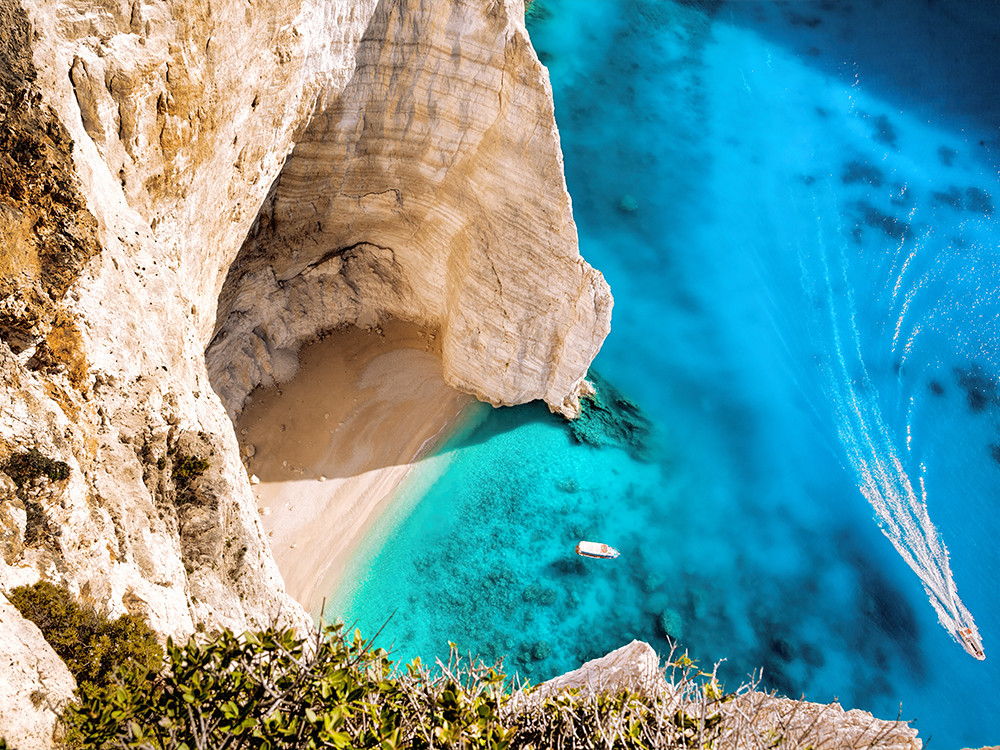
(332, 445)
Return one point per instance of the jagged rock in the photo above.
(408, 212)
(634, 667)
(174, 139)
(826, 725)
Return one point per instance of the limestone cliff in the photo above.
(429, 189)
(184, 175)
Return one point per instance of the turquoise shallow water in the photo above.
(795, 206)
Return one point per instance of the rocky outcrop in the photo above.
(634, 667)
(242, 176)
(743, 719)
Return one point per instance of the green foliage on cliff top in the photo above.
(273, 690)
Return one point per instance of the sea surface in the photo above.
(798, 445)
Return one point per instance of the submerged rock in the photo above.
(980, 389)
(672, 624)
(978, 201)
(610, 419)
(947, 155)
(861, 171)
(628, 204)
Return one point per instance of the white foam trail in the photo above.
(869, 442)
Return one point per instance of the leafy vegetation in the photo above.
(29, 465)
(185, 470)
(273, 690)
(24, 468)
(94, 647)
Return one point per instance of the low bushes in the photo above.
(94, 647)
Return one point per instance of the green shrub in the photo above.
(187, 468)
(271, 689)
(29, 465)
(93, 646)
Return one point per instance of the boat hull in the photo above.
(597, 550)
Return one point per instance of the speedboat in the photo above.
(596, 549)
(971, 642)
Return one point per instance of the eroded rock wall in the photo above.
(35, 684)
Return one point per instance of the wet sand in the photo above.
(331, 446)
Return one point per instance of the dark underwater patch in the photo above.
(936, 388)
(978, 201)
(994, 450)
(861, 171)
(980, 389)
(802, 21)
(947, 155)
(885, 132)
(887, 224)
(609, 419)
(951, 197)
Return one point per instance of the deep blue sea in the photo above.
(796, 205)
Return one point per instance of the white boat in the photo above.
(596, 549)
(971, 642)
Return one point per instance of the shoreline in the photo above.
(330, 450)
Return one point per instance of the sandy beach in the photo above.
(328, 449)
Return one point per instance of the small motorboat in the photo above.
(971, 642)
(596, 549)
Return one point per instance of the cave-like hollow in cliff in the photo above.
(332, 374)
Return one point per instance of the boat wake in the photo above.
(871, 446)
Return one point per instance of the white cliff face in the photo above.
(429, 189)
(425, 183)
(248, 175)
